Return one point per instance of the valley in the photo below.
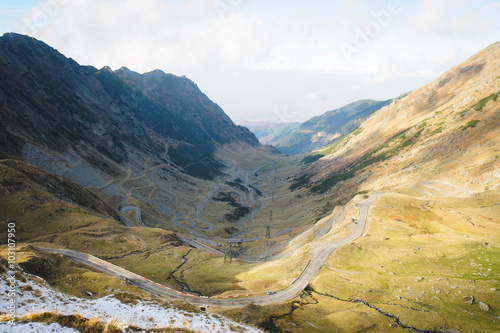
(416, 235)
(138, 189)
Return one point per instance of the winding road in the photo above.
(200, 245)
(324, 249)
(138, 216)
(210, 226)
(246, 199)
(124, 220)
(249, 198)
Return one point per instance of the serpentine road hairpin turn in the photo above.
(326, 248)
(137, 211)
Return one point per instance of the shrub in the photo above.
(470, 124)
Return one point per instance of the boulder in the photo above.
(468, 299)
(484, 306)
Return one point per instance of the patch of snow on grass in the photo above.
(34, 328)
(144, 314)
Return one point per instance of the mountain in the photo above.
(77, 120)
(446, 130)
(333, 125)
(270, 133)
(408, 199)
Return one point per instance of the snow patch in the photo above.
(36, 298)
(34, 328)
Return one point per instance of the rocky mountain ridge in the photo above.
(53, 109)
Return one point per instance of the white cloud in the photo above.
(445, 17)
(316, 96)
(439, 58)
(392, 68)
(155, 34)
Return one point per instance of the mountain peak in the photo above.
(26, 44)
(107, 69)
(67, 107)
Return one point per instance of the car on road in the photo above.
(271, 292)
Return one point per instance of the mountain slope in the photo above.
(447, 129)
(50, 208)
(98, 116)
(322, 130)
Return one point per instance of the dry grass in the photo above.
(419, 259)
(168, 330)
(70, 277)
(156, 266)
(75, 321)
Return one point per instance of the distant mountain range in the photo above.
(270, 133)
(149, 140)
(317, 132)
(322, 130)
(57, 114)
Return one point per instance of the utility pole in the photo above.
(273, 198)
(228, 254)
(268, 229)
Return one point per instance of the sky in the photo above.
(278, 60)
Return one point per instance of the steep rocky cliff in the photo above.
(77, 120)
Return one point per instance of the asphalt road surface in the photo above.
(324, 251)
(428, 184)
(200, 245)
(138, 216)
(125, 221)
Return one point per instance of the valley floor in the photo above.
(427, 261)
